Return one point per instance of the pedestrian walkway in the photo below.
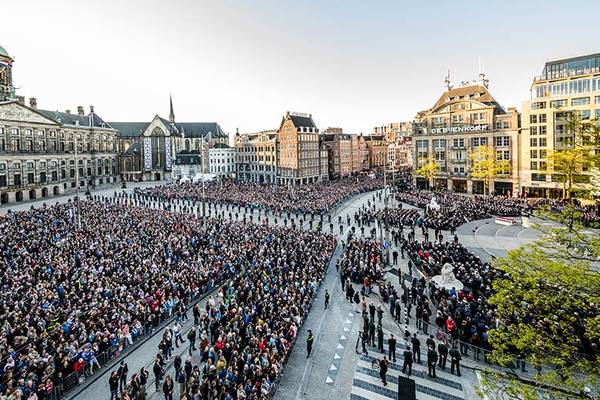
(367, 384)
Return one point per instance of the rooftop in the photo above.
(475, 92)
(3, 52)
(91, 120)
(572, 66)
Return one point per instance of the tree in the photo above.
(579, 153)
(486, 166)
(547, 301)
(428, 170)
(570, 164)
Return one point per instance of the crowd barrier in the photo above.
(66, 384)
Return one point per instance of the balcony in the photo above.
(459, 161)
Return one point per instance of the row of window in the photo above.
(565, 88)
(535, 142)
(52, 177)
(253, 149)
(538, 165)
(542, 153)
(499, 141)
(40, 133)
(41, 165)
(460, 156)
(222, 169)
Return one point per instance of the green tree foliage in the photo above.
(486, 166)
(548, 307)
(579, 153)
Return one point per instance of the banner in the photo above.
(168, 154)
(147, 153)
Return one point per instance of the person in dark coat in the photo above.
(113, 383)
(168, 388)
(432, 358)
(392, 348)
(456, 357)
(122, 372)
(416, 346)
(383, 368)
(443, 353)
(408, 361)
(309, 343)
(380, 338)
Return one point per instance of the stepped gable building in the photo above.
(302, 154)
(462, 119)
(46, 153)
(148, 149)
(570, 85)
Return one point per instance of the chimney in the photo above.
(33, 102)
(68, 111)
(92, 109)
(80, 110)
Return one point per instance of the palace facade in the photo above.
(46, 153)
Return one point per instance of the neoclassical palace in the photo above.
(45, 153)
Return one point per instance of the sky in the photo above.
(352, 64)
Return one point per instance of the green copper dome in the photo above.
(3, 52)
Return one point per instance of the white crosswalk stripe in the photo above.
(367, 383)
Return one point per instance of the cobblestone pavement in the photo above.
(335, 369)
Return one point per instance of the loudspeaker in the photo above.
(406, 389)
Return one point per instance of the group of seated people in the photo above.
(72, 296)
(396, 216)
(362, 261)
(588, 215)
(311, 198)
(455, 209)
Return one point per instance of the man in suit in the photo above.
(416, 348)
(392, 348)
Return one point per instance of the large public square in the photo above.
(299, 200)
(337, 367)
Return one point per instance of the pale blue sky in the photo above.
(354, 64)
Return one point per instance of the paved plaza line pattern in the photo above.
(367, 384)
(338, 355)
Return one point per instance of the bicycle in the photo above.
(375, 365)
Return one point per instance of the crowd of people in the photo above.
(72, 294)
(243, 336)
(463, 314)
(360, 268)
(311, 198)
(454, 209)
(588, 215)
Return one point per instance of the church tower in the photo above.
(171, 112)
(7, 90)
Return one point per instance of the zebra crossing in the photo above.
(367, 385)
